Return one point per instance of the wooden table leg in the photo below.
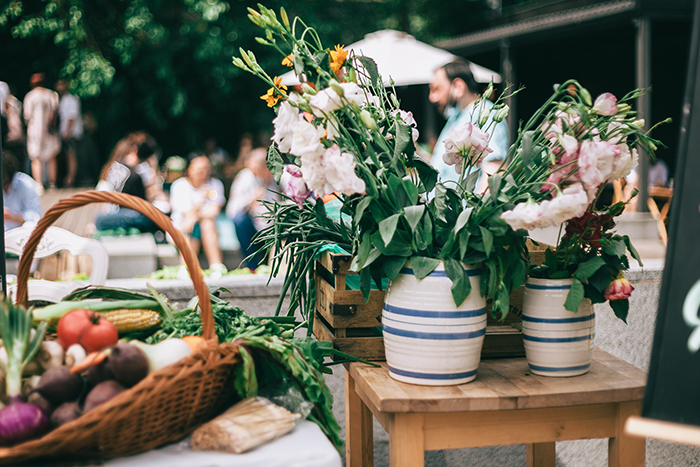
(359, 437)
(541, 455)
(406, 440)
(623, 450)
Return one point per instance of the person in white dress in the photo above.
(43, 140)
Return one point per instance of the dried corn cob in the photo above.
(131, 320)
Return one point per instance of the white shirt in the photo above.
(22, 198)
(39, 104)
(69, 109)
(245, 191)
(184, 197)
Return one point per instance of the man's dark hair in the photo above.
(10, 166)
(146, 149)
(460, 69)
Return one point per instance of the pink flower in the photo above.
(619, 289)
(293, 185)
(306, 139)
(570, 146)
(407, 118)
(571, 202)
(605, 104)
(595, 162)
(526, 216)
(465, 141)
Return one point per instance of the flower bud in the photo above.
(483, 117)
(337, 88)
(367, 119)
(308, 90)
(624, 107)
(285, 18)
(618, 289)
(501, 115)
(293, 184)
(586, 96)
(638, 123)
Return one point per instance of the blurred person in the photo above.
(252, 184)
(454, 91)
(90, 163)
(174, 168)
(11, 110)
(71, 127)
(658, 174)
(43, 141)
(196, 200)
(119, 175)
(218, 157)
(20, 193)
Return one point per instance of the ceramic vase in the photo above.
(429, 340)
(557, 342)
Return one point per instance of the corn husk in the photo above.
(244, 426)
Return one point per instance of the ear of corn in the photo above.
(132, 320)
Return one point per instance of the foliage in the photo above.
(164, 66)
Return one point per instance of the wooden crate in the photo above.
(343, 318)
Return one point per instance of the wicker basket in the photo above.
(164, 407)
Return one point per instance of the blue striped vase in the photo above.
(557, 342)
(427, 339)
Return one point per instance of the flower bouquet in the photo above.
(583, 145)
(341, 134)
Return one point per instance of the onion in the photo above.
(21, 421)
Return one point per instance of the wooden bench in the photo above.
(506, 404)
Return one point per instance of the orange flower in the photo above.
(338, 57)
(287, 61)
(274, 93)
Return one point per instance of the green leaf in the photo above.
(399, 245)
(601, 279)
(550, 260)
(488, 240)
(615, 247)
(621, 308)
(387, 228)
(422, 265)
(275, 163)
(463, 243)
(426, 172)
(470, 181)
(440, 203)
(321, 216)
(365, 283)
(403, 139)
(371, 68)
(495, 186)
(588, 268)
(462, 219)
(461, 287)
(392, 266)
(360, 209)
(398, 190)
(413, 215)
(527, 151)
(363, 250)
(575, 296)
(632, 249)
(411, 191)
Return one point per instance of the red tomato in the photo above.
(88, 329)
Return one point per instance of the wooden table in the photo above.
(506, 404)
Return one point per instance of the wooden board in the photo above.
(505, 384)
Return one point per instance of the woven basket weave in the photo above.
(164, 407)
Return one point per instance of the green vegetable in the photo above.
(57, 310)
(15, 325)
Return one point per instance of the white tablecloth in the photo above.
(305, 446)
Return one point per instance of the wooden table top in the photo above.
(504, 384)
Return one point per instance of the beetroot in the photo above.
(128, 364)
(21, 421)
(59, 385)
(101, 394)
(65, 413)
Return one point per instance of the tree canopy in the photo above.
(164, 66)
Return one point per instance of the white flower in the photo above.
(332, 128)
(467, 140)
(526, 216)
(570, 203)
(306, 139)
(624, 162)
(595, 162)
(340, 171)
(284, 126)
(333, 171)
(327, 100)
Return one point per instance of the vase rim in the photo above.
(535, 280)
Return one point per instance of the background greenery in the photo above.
(165, 65)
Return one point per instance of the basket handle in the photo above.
(131, 202)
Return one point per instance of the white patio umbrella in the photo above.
(400, 56)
